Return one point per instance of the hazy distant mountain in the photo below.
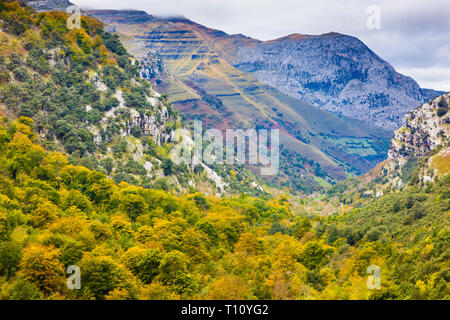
(335, 72)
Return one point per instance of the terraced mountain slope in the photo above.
(196, 70)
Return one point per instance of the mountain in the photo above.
(419, 155)
(194, 65)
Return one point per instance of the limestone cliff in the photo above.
(421, 144)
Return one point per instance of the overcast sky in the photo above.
(414, 35)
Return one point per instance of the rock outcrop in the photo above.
(335, 72)
(48, 5)
(421, 148)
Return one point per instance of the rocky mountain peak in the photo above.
(426, 128)
(122, 16)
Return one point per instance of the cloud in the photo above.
(432, 77)
(414, 34)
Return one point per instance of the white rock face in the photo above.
(337, 73)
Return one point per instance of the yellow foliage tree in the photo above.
(41, 265)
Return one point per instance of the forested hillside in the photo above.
(87, 99)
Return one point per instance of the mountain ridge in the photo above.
(129, 242)
(425, 137)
